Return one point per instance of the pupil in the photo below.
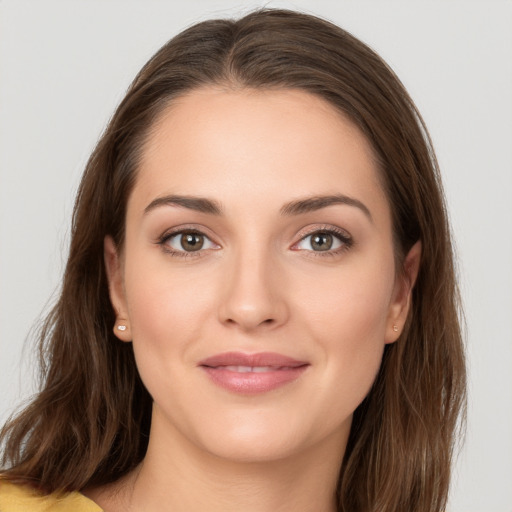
(192, 241)
(322, 242)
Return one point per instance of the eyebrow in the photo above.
(311, 204)
(199, 204)
(296, 207)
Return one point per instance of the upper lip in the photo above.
(270, 359)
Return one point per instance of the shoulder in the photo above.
(23, 498)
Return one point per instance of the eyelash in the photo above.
(342, 236)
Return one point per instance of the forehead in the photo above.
(254, 146)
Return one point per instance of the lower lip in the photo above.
(253, 382)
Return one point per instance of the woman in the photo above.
(259, 310)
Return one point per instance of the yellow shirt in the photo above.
(22, 498)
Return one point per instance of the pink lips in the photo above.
(252, 373)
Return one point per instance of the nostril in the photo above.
(247, 324)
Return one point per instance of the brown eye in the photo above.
(324, 241)
(321, 241)
(191, 241)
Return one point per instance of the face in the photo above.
(257, 280)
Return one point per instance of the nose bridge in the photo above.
(252, 294)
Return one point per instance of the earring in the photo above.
(395, 328)
(122, 330)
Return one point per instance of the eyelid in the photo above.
(186, 228)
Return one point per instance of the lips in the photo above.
(252, 373)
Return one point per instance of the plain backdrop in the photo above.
(64, 66)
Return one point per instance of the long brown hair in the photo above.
(90, 422)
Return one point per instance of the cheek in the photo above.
(347, 317)
(166, 312)
(350, 303)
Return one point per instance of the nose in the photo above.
(254, 293)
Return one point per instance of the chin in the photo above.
(269, 439)
(255, 448)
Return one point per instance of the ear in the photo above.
(401, 300)
(114, 269)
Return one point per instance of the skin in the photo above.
(258, 285)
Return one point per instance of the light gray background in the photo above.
(64, 66)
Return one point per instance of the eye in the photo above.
(188, 241)
(323, 241)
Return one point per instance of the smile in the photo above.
(252, 373)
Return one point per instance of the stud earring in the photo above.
(121, 327)
(395, 328)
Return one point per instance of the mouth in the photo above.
(252, 373)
